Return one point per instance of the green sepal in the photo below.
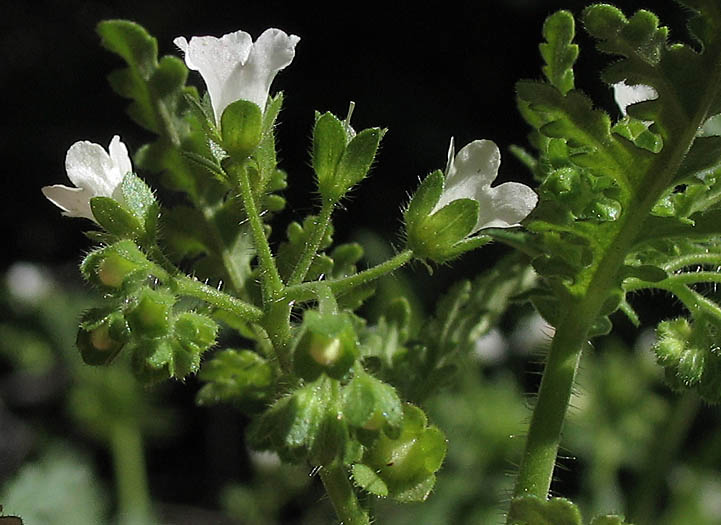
(405, 465)
(101, 336)
(289, 426)
(531, 510)
(329, 143)
(559, 52)
(241, 127)
(141, 201)
(371, 404)
(366, 478)
(331, 440)
(195, 332)
(609, 520)
(326, 343)
(354, 164)
(424, 200)
(150, 317)
(113, 266)
(241, 377)
(115, 218)
(439, 237)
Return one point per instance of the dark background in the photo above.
(425, 72)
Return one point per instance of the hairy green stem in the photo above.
(269, 276)
(544, 435)
(311, 247)
(340, 491)
(187, 286)
(309, 291)
(134, 507)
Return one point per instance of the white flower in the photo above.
(627, 95)
(94, 172)
(235, 68)
(469, 176)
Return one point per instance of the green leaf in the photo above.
(703, 159)
(559, 52)
(531, 510)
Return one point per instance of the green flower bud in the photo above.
(111, 266)
(341, 161)
(241, 128)
(404, 467)
(101, 336)
(371, 404)
(150, 318)
(327, 343)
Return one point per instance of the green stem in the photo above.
(134, 507)
(270, 278)
(311, 247)
(340, 491)
(276, 323)
(583, 308)
(185, 285)
(309, 291)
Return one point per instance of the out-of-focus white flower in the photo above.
(469, 176)
(627, 95)
(95, 173)
(235, 68)
(28, 282)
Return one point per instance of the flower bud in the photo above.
(241, 128)
(403, 468)
(327, 343)
(150, 318)
(101, 336)
(109, 267)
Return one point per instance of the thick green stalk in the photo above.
(538, 461)
(311, 247)
(134, 507)
(340, 491)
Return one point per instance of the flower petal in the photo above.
(119, 155)
(273, 51)
(89, 166)
(506, 205)
(216, 59)
(75, 202)
(627, 95)
(471, 172)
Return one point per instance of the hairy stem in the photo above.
(187, 286)
(309, 291)
(270, 278)
(340, 491)
(311, 247)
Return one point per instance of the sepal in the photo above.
(112, 267)
(101, 336)
(326, 344)
(403, 468)
(241, 128)
(149, 318)
(241, 377)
